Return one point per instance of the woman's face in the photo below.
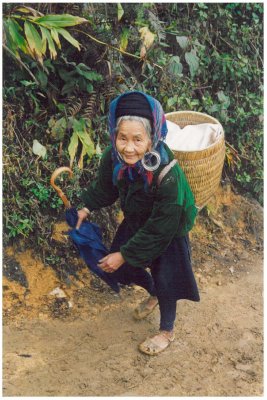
(132, 141)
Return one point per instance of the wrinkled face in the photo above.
(132, 141)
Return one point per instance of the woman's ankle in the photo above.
(167, 333)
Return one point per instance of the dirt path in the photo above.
(218, 350)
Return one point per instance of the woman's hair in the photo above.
(146, 123)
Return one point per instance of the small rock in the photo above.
(232, 270)
(58, 293)
(219, 283)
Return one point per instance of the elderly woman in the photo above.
(158, 206)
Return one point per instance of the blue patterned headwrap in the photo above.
(159, 132)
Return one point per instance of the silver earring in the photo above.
(120, 157)
(151, 160)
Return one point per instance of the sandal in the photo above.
(142, 311)
(152, 346)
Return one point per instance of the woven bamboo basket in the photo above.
(203, 168)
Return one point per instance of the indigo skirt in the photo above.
(172, 274)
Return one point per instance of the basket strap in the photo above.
(165, 171)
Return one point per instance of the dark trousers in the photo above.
(171, 275)
(127, 274)
(157, 283)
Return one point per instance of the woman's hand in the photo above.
(111, 262)
(82, 215)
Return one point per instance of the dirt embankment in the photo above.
(81, 340)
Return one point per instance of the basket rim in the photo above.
(187, 112)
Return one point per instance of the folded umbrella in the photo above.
(87, 239)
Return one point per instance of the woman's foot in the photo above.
(158, 343)
(146, 307)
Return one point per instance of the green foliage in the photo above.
(81, 132)
(39, 32)
(80, 77)
(190, 56)
(16, 225)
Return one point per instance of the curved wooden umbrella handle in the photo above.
(55, 174)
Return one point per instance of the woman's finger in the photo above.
(103, 259)
(105, 267)
(102, 265)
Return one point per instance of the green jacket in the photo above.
(155, 217)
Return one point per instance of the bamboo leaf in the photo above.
(87, 149)
(18, 16)
(23, 9)
(12, 21)
(83, 133)
(124, 39)
(59, 21)
(87, 142)
(74, 141)
(33, 38)
(44, 40)
(54, 35)
(88, 146)
(47, 37)
(69, 38)
(17, 38)
(9, 43)
(120, 11)
(28, 10)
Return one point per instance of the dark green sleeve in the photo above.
(153, 238)
(101, 192)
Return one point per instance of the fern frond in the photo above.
(89, 109)
(74, 106)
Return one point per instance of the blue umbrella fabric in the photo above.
(88, 240)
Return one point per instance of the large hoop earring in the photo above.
(120, 157)
(151, 160)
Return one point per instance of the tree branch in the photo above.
(21, 63)
(115, 48)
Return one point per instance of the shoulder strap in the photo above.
(165, 171)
